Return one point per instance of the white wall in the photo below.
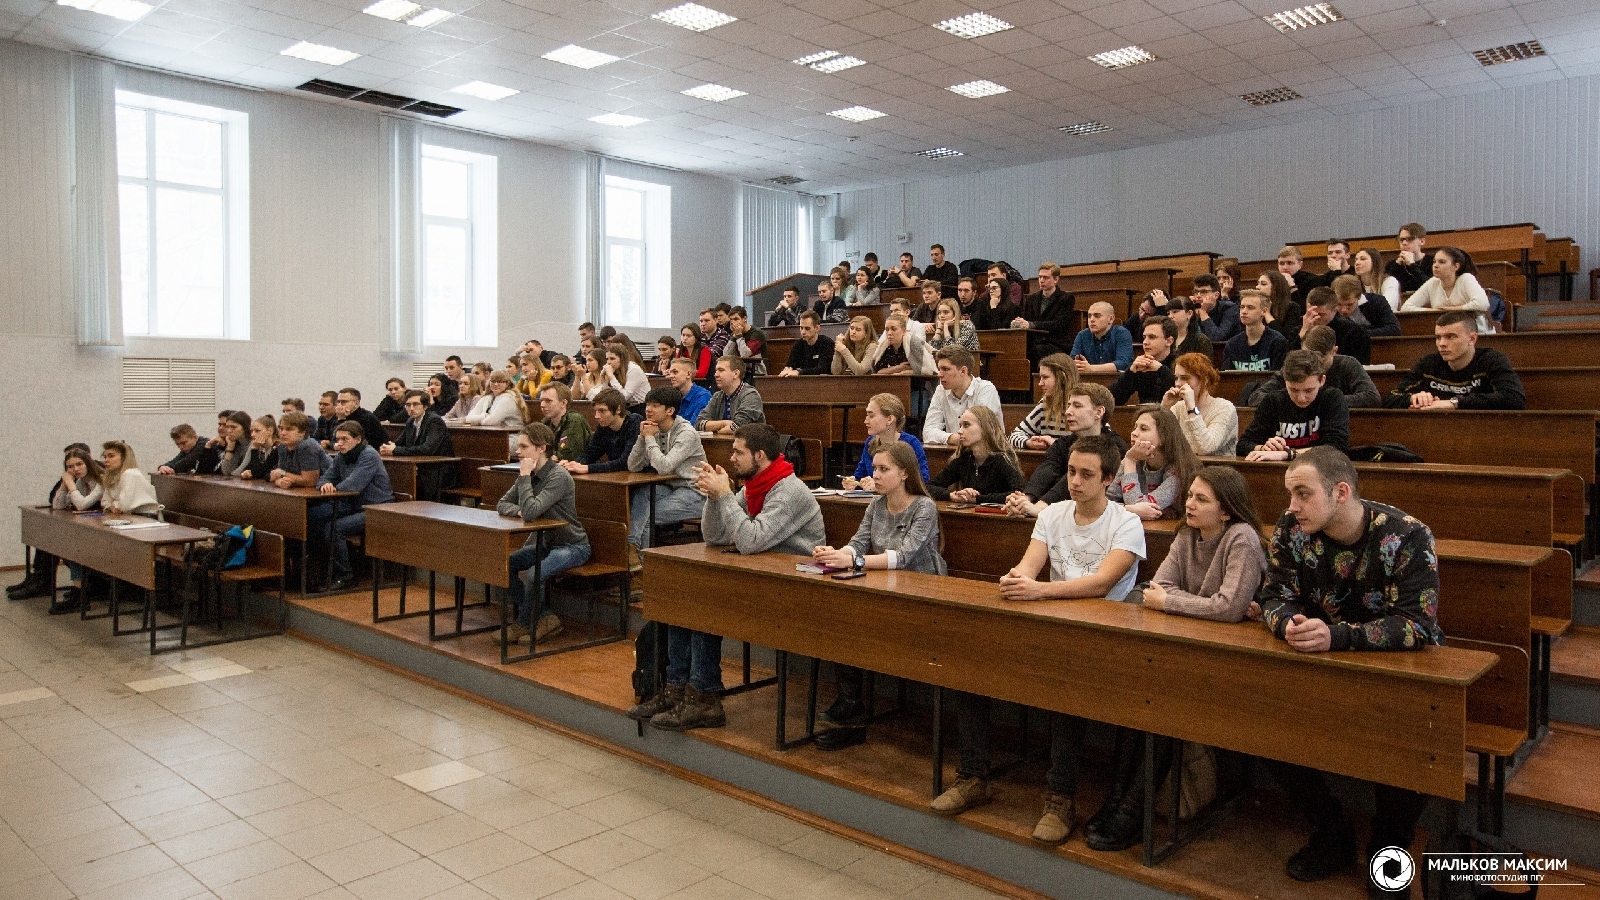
(316, 251)
(1526, 154)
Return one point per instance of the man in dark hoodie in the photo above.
(392, 407)
(1459, 375)
(1309, 413)
(348, 408)
(425, 434)
(193, 456)
(358, 468)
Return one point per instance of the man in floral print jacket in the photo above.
(1347, 574)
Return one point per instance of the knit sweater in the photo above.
(790, 520)
(549, 493)
(1035, 424)
(742, 408)
(1158, 487)
(995, 478)
(131, 494)
(1215, 430)
(911, 539)
(676, 451)
(1213, 579)
(1381, 593)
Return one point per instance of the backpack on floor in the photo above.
(647, 679)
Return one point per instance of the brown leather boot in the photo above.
(696, 711)
(668, 698)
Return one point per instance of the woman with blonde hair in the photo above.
(903, 351)
(1367, 265)
(1210, 423)
(1058, 375)
(984, 469)
(500, 408)
(258, 461)
(852, 351)
(471, 391)
(1153, 480)
(950, 328)
(125, 488)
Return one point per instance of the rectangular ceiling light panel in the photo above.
(318, 53)
(1267, 98)
(940, 153)
(1083, 128)
(837, 64)
(1304, 17)
(856, 114)
(973, 25)
(126, 10)
(1494, 56)
(485, 90)
(694, 17)
(581, 57)
(618, 119)
(1123, 58)
(978, 89)
(716, 93)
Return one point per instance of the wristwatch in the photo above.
(860, 562)
(1194, 410)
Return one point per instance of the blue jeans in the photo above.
(346, 519)
(695, 658)
(555, 560)
(673, 504)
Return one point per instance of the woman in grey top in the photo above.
(899, 531)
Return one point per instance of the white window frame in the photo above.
(656, 282)
(235, 194)
(482, 264)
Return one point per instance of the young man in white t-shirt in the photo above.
(1093, 547)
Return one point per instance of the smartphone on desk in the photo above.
(846, 576)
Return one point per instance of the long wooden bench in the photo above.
(264, 561)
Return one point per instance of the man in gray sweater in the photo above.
(772, 511)
(735, 404)
(667, 445)
(543, 490)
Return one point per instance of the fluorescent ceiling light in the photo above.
(1121, 59)
(856, 114)
(694, 17)
(1304, 17)
(485, 90)
(979, 88)
(716, 93)
(940, 153)
(817, 57)
(1083, 128)
(838, 64)
(618, 119)
(1269, 97)
(126, 10)
(1494, 56)
(573, 55)
(393, 10)
(318, 53)
(973, 25)
(431, 17)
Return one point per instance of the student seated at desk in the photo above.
(748, 343)
(1370, 270)
(301, 460)
(1047, 421)
(499, 408)
(349, 410)
(773, 510)
(884, 419)
(1104, 346)
(1388, 601)
(1322, 309)
(812, 354)
(261, 455)
(984, 469)
(853, 350)
(473, 388)
(41, 575)
(571, 429)
(391, 409)
(543, 490)
(1093, 548)
(327, 419)
(1048, 310)
(79, 489)
(735, 404)
(1211, 424)
(861, 290)
(621, 372)
(235, 444)
(425, 434)
(1454, 285)
(667, 445)
(1370, 312)
(1089, 407)
(830, 305)
(666, 352)
(949, 329)
(1153, 479)
(442, 393)
(1256, 348)
(903, 350)
(1149, 376)
(561, 370)
(1190, 339)
(194, 456)
(616, 431)
(1283, 309)
(1216, 565)
(357, 468)
(1217, 314)
(1460, 374)
(900, 530)
(124, 489)
(590, 380)
(532, 376)
(291, 404)
(1345, 374)
(695, 398)
(927, 309)
(959, 390)
(787, 313)
(1309, 413)
(1000, 304)
(693, 349)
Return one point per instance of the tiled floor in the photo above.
(278, 770)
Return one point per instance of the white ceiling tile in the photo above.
(1215, 15)
(1122, 13)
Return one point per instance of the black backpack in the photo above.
(1386, 451)
(647, 678)
(794, 450)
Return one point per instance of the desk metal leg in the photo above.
(938, 740)
(541, 598)
(782, 742)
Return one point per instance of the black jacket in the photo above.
(609, 448)
(995, 479)
(1381, 320)
(429, 438)
(947, 275)
(1354, 341)
(449, 393)
(811, 359)
(1487, 382)
(200, 460)
(1326, 422)
(1150, 386)
(372, 430)
(1055, 315)
(985, 318)
(1049, 481)
(390, 410)
(1410, 276)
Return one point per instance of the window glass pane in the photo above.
(188, 151)
(625, 282)
(191, 287)
(131, 140)
(445, 284)
(624, 214)
(445, 189)
(135, 215)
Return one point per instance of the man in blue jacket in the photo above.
(358, 469)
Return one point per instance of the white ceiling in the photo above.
(1387, 53)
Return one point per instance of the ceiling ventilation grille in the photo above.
(1267, 98)
(378, 98)
(1494, 56)
(158, 385)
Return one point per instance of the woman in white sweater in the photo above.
(1216, 564)
(126, 489)
(903, 350)
(1210, 423)
(499, 407)
(623, 374)
(1453, 286)
(472, 390)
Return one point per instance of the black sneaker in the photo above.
(845, 712)
(1118, 829)
(1330, 851)
(70, 601)
(842, 736)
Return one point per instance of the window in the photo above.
(638, 253)
(184, 199)
(459, 259)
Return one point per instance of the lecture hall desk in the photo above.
(403, 470)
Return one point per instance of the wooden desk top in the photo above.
(96, 521)
(125, 554)
(625, 478)
(462, 541)
(465, 516)
(420, 460)
(222, 482)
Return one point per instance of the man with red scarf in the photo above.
(773, 511)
